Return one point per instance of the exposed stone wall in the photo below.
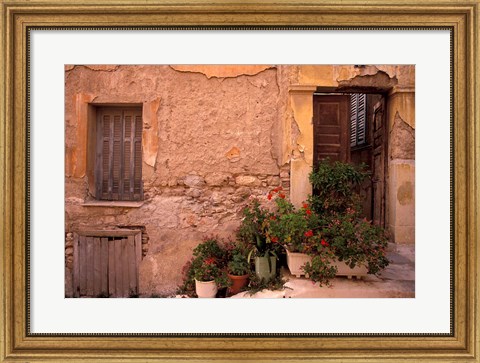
(212, 148)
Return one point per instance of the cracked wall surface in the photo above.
(214, 136)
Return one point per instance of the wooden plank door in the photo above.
(106, 266)
(379, 162)
(330, 128)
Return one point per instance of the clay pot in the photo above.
(238, 282)
(206, 289)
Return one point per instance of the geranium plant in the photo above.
(293, 227)
(238, 264)
(253, 230)
(328, 228)
(207, 264)
(207, 269)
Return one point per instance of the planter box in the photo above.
(296, 261)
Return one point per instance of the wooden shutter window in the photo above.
(358, 116)
(119, 153)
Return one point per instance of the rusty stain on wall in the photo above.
(405, 193)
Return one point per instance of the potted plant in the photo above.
(205, 272)
(253, 232)
(208, 277)
(294, 229)
(238, 271)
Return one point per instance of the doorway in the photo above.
(350, 127)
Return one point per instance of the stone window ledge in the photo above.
(112, 204)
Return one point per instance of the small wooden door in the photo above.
(106, 263)
(330, 128)
(379, 162)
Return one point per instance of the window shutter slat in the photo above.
(110, 160)
(137, 181)
(132, 159)
(361, 124)
(353, 119)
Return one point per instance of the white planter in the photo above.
(296, 261)
(206, 289)
(344, 270)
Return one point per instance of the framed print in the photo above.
(148, 148)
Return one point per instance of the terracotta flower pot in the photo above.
(206, 289)
(238, 282)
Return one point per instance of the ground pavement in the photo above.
(396, 281)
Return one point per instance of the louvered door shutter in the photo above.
(353, 120)
(119, 154)
(361, 118)
(358, 115)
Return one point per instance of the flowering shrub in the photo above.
(335, 187)
(253, 230)
(329, 227)
(291, 227)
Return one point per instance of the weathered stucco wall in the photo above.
(213, 136)
(208, 145)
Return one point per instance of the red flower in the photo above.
(209, 261)
(281, 195)
(273, 218)
(308, 211)
(274, 239)
(305, 205)
(323, 242)
(308, 233)
(269, 196)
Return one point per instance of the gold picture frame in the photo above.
(19, 345)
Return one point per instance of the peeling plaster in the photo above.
(216, 71)
(401, 139)
(400, 122)
(95, 68)
(379, 81)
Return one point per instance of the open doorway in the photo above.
(350, 127)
